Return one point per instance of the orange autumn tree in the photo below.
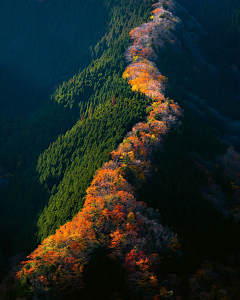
(145, 78)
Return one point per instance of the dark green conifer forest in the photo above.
(65, 106)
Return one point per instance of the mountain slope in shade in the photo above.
(43, 44)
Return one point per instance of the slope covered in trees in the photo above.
(55, 178)
(111, 218)
(194, 172)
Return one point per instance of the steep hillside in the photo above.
(86, 102)
(112, 245)
(111, 217)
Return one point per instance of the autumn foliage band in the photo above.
(112, 218)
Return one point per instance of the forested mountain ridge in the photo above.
(132, 160)
(74, 100)
(215, 230)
